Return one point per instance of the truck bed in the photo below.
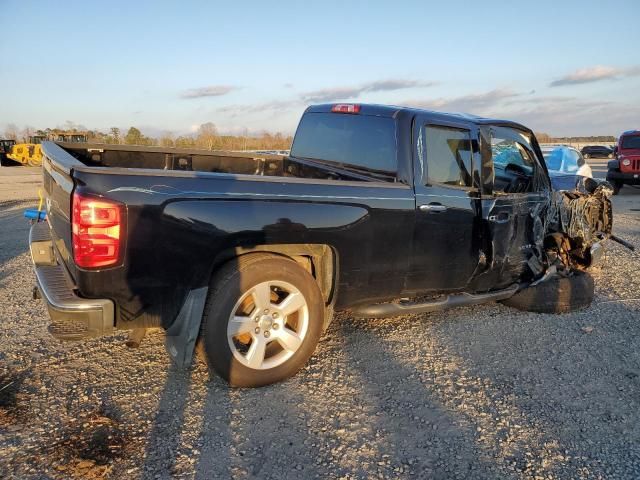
(194, 160)
(187, 219)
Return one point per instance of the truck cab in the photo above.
(625, 169)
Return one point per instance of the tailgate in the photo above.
(58, 185)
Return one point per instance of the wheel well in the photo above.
(317, 259)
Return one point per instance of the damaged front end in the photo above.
(577, 221)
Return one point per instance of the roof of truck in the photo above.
(393, 110)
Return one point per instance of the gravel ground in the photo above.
(482, 392)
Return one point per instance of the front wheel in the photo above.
(616, 187)
(263, 320)
(555, 295)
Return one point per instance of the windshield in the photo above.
(632, 141)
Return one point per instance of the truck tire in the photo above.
(262, 320)
(617, 185)
(556, 295)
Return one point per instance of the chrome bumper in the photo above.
(72, 317)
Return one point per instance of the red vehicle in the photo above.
(625, 169)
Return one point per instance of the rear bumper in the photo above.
(627, 178)
(72, 317)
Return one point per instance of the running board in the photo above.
(384, 310)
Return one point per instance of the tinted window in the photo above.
(631, 141)
(357, 140)
(448, 156)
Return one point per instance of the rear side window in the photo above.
(356, 140)
(448, 156)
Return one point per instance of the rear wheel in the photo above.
(263, 320)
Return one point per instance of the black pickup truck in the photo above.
(377, 209)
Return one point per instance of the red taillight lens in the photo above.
(97, 229)
(345, 108)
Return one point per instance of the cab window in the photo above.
(449, 157)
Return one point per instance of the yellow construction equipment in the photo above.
(30, 153)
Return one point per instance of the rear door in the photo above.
(445, 243)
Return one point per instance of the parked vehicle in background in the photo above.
(250, 253)
(564, 160)
(5, 148)
(625, 169)
(597, 151)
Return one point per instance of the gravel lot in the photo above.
(482, 392)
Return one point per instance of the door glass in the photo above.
(514, 162)
(448, 156)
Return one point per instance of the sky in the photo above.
(560, 67)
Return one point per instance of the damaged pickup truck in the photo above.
(380, 210)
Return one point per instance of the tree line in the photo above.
(206, 137)
(546, 138)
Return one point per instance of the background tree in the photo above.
(115, 134)
(166, 139)
(26, 133)
(207, 136)
(11, 132)
(185, 142)
(134, 137)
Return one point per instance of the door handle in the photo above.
(433, 207)
(502, 217)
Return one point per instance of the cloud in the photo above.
(477, 102)
(595, 74)
(210, 91)
(574, 117)
(556, 115)
(273, 106)
(344, 93)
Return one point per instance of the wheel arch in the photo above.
(320, 260)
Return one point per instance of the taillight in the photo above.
(345, 108)
(97, 228)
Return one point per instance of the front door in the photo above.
(515, 194)
(445, 243)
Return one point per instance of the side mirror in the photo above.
(615, 150)
(581, 161)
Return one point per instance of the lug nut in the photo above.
(257, 319)
(275, 315)
(257, 330)
(266, 334)
(266, 310)
(276, 326)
